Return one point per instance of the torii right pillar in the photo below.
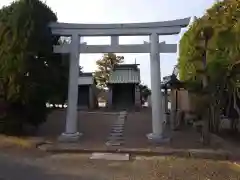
(157, 106)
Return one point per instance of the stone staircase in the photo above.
(115, 137)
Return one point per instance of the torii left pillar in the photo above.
(71, 133)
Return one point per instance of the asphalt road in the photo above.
(79, 167)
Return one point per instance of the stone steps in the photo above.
(115, 137)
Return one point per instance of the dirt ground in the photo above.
(79, 167)
(33, 164)
(97, 126)
(139, 124)
(94, 126)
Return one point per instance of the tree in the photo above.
(59, 78)
(144, 91)
(105, 66)
(223, 45)
(220, 72)
(28, 67)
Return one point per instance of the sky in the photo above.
(127, 11)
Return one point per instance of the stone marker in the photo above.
(111, 156)
(113, 143)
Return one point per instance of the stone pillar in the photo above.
(109, 101)
(165, 105)
(173, 109)
(149, 101)
(166, 100)
(71, 130)
(137, 97)
(157, 108)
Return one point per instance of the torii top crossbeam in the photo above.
(161, 28)
(115, 30)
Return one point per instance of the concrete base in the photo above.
(69, 138)
(158, 139)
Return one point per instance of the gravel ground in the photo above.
(74, 166)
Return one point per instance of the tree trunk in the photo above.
(234, 125)
(205, 132)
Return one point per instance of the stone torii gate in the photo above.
(153, 29)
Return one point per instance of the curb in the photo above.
(185, 153)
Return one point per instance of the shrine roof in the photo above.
(171, 82)
(125, 66)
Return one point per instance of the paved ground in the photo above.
(78, 167)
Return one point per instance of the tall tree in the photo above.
(28, 68)
(221, 69)
(105, 66)
(224, 18)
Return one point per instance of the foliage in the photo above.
(144, 91)
(28, 67)
(59, 67)
(105, 66)
(221, 92)
(224, 45)
(59, 78)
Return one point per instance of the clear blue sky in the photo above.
(127, 11)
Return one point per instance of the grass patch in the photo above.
(12, 141)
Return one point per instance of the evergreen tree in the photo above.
(30, 74)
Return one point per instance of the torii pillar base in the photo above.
(158, 139)
(69, 138)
